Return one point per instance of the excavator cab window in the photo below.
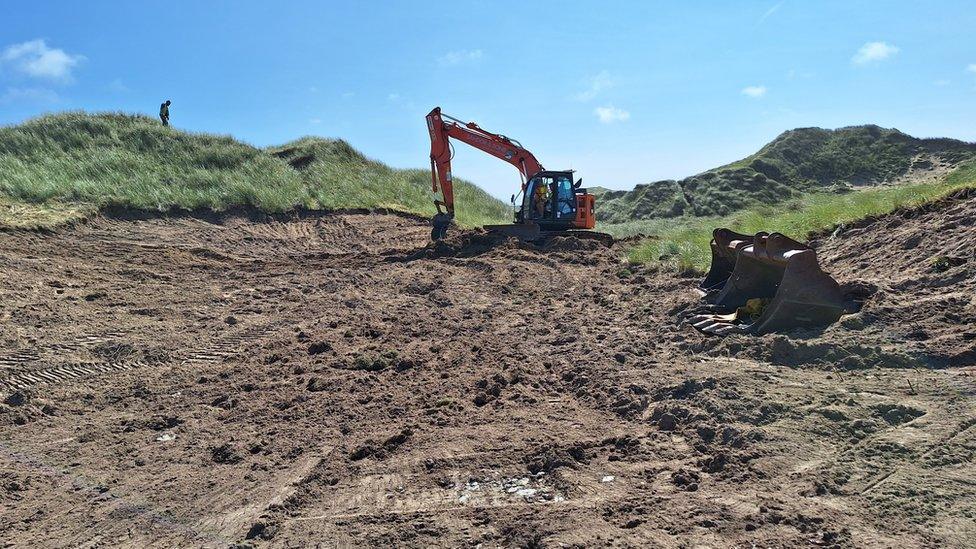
(565, 198)
(549, 196)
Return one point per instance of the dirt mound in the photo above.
(923, 263)
(461, 243)
(247, 232)
(471, 243)
(834, 351)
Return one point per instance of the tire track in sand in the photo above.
(223, 348)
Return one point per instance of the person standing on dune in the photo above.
(164, 112)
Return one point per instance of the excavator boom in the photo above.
(551, 203)
(443, 127)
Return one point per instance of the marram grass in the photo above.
(61, 167)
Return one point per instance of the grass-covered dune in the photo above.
(800, 161)
(63, 166)
(682, 243)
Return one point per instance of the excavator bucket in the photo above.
(775, 284)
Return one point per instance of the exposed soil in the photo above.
(333, 379)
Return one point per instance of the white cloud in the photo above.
(315, 121)
(460, 57)
(874, 51)
(347, 95)
(30, 95)
(36, 59)
(971, 67)
(602, 81)
(754, 92)
(610, 114)
(394, 97)
(942, 83)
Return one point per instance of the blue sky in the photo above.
(623, 92)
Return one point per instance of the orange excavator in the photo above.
(549, 202)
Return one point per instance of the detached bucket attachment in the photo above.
(775, 285)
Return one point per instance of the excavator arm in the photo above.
(442, 128)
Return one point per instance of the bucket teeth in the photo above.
(702, 322)
(726, 329)
(772, 282)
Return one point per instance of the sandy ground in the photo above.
(335, 381)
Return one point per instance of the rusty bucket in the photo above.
(766, 283)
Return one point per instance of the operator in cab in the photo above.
(539, 199)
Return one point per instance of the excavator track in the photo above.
(603, 238)
(530, 232)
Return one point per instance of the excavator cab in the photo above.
(552, 201)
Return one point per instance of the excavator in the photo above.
(550, 203)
